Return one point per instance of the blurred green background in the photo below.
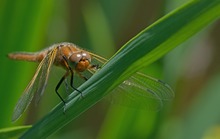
(102, 27)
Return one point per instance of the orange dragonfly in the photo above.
(138, 89)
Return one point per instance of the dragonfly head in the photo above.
(81, 60)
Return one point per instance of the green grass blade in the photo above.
(12, 132)
(152, 43)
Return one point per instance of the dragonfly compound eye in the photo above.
(86, 56)
(75, 57)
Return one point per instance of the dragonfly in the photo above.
(138, 89)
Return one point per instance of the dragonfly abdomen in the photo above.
(35, 57)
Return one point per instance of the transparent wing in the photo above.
(139, 90)
(37, 84)
(142, 91)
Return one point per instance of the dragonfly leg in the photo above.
(58, 86)
(95, 66)
(72, 74)
(83, 77)
(71, 81)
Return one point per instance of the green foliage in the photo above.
(26, 25)
(21, 28)
(143, 49)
